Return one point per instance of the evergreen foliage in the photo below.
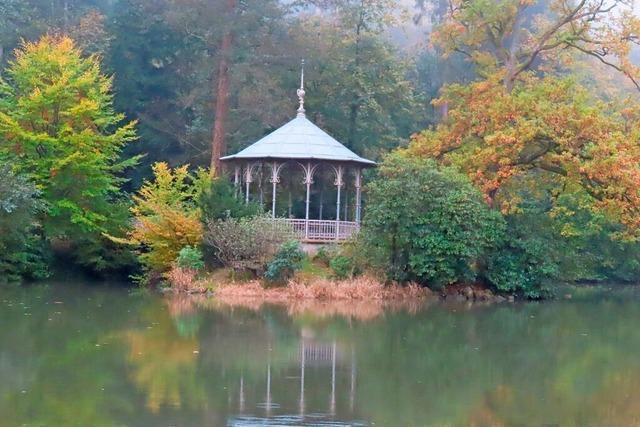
(342, 266)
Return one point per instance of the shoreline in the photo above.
(361, 288)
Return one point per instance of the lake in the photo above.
(73, 355)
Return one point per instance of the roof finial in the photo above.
(301, 92)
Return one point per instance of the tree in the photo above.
(59, 129)
(158, 80)
(359, 86)
(167, 216)
(512, 37)
(428, 223)
(549, 126)
(220, 201)
(30, 19)
(218, 143)
(14, 15)
(90, 33)
(237, 39)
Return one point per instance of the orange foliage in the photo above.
(547, 126)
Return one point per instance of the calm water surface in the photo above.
(106, 356)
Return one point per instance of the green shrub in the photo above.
(567, 242)
(427, 224)
(342, 266)
(287, 260)
(190, 258)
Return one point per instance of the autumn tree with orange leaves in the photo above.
(525, 120)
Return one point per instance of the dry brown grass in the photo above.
(363, 288)
(184, 280)
(363, 298)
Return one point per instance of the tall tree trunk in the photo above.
(219, 143)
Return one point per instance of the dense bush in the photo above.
(245, 242)
(427, 224)
(20, 243)
(567, 243)
(166, 215)
(284, 264)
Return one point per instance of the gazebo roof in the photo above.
(299, 139)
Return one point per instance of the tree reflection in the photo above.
(163, 356)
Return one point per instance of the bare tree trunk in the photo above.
(219, 143)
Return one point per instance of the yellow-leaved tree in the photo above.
(167, 216)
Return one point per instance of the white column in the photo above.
(275, 179)
(309, 170)
(358, 194)
(268, 402)
(247, 180)
(241, 399)
(338, 182)
(236, 181)
(352, 390)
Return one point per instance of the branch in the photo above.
(546, 36)
(608, 63)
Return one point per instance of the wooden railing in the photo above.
(314, 230)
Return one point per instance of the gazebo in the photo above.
(301, 147)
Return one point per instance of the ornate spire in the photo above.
(301, 92)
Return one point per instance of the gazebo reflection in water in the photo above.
(299, 159)
(327, 358)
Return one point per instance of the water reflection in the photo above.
(103, 356)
